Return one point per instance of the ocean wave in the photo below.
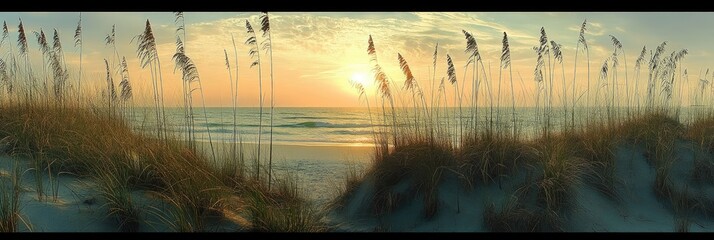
(303, 117)
(242, 132)
(228, 125)
(317, 124)
(308, 124)
(350, 132)
(214, 124)
(328, 117)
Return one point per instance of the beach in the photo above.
(324, 137)
(78, 206)
(320, 169)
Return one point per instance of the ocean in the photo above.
(291, 126)
(348, 126)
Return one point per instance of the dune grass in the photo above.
(561, 173)
(282, 211)
(556, 163)
(511, 217)
(90, 144)
(114, 189)
(422, 163)
(10, 191)
(596, 147)
(490, 157)
(89, 140)
(701, 132)
(88, 137)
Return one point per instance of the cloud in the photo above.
(591, 28)
(327, 48)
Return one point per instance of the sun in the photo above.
(361, 78)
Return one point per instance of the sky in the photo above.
(316, 54)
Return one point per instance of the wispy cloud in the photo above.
(593, 29)
(325, 49)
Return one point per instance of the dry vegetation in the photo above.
(427, 142)
(53, 133)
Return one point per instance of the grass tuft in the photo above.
(10, 192)
(422, 164)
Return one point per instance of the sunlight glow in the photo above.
(361, 77)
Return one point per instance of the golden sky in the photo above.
(315, 54)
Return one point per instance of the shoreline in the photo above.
(336, 152)
(319, 170)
